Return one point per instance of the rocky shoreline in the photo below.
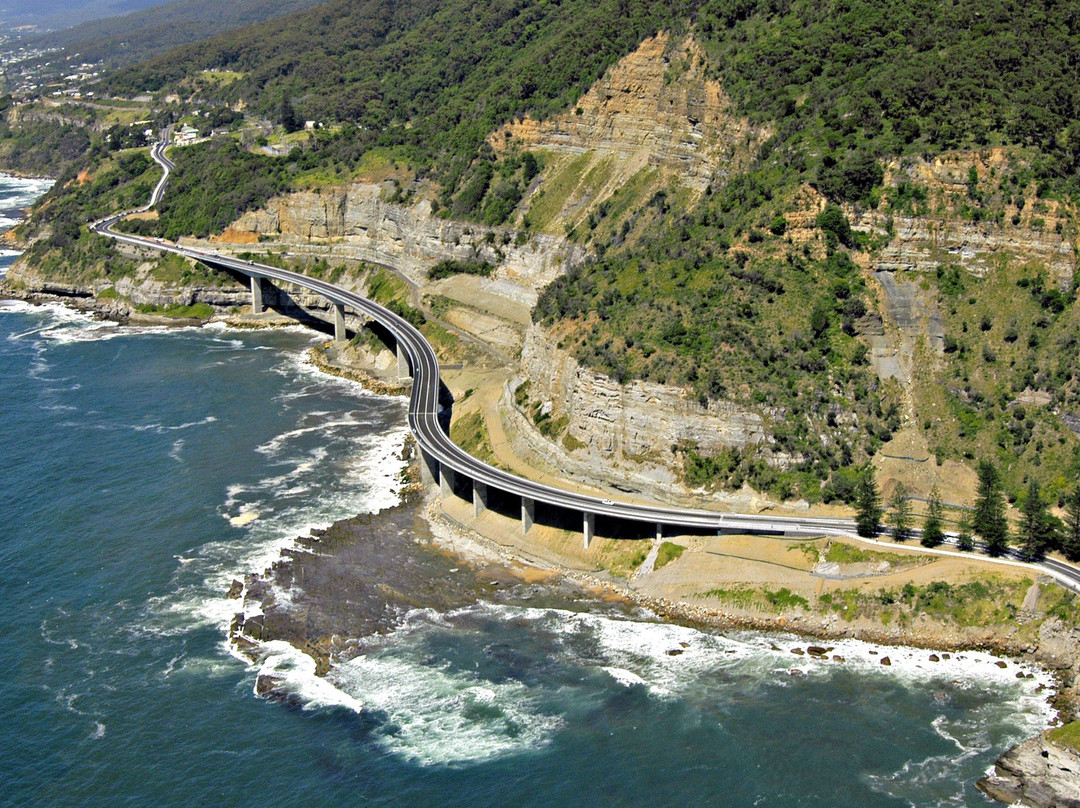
(1019, 775)
(481, 568)
(1037, 773)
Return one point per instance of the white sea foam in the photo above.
(668, 658)
(625, 677)
(23, 190)
(295, 671)
(64, 325)
(437, 715)
(440, 715)
(177, 450)
(273, 511)
(245, 517)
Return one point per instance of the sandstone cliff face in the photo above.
(628, 429)
(656, 108)
(922, 244)
(355, 222)
(1037, 773)
(653, 121)
(134, 290)
(1027, 229)
(912, 315)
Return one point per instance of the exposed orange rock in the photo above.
(655, 109)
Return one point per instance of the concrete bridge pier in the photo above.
(339, 322)
(429, 469)
(446, 482)
(479, 498)
(257, 306)
(528, 514)
(659, 531)
(403, 371)
(589, 528)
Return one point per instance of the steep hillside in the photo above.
(140, 34)
(830, 229)
(652, 119)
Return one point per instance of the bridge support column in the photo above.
(528, 514)
(429, 469)
(257, 306)
(479, 498)
(339, 322)
(589, 528)
(402, 364)
(659, 531)
(446, 481)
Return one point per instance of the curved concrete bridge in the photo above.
(455, 469)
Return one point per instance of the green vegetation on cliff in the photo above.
(758, 291)
(433, 77)
(843, 83)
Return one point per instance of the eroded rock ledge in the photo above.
(632, 430)
(1037, 773)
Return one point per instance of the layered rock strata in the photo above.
(355, 222)
(954, 228)
(655, 107)
(1036, 773)
(629, 430)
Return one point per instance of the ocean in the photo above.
(145, 469)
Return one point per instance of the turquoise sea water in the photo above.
(144, 469)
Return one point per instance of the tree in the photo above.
(1037, 530)
(1070, 540)
(900, 513)
(964, 540)
(989, 521)
(932, 534)
(832, 220)
(290, 120)
(867, 504)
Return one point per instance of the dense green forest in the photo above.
(42, 147)
(853, 80)
(431, 77)
(846, 82)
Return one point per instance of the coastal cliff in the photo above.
(971, 210)
(580, 421)
(356, 221)
(1036, 773)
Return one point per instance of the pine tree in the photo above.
(1037, 530)
(290, 121)
(1071, 538)
(989, 521)
(900, 516)
(867, 504)
(932, 534)
(964, 540)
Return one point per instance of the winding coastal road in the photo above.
(424, 412)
